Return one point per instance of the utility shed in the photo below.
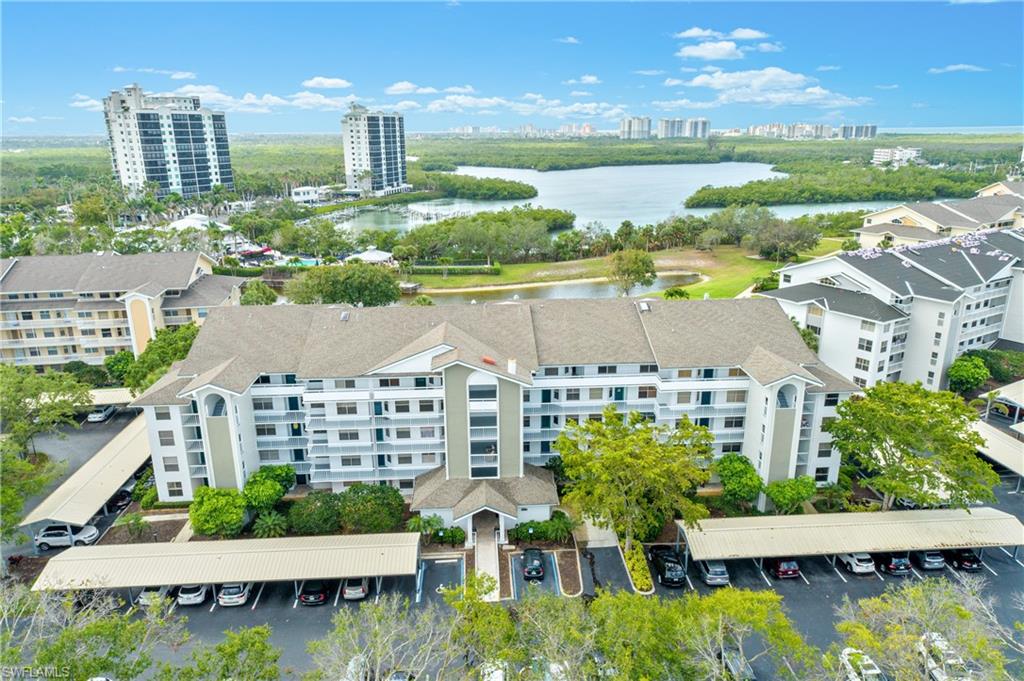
(827, 534)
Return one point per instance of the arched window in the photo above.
(786, 397)
(215, 405)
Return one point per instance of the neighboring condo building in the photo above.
(906, 313)
(374, 144)
(895, 157)
(995, 207)
(699, 128)
(55, 309)
(173, 142)
(460, 405)
(671, 127)
(635, 128)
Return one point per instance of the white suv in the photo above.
(857, 563)
(57, 535)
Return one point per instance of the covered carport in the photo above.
(829, 534)
(119, 397)
(87, 490)
(295, 559)
(1002, 448)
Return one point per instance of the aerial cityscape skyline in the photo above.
(680, 62)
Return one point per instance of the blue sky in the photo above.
(296, 67)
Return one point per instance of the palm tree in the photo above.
(445, 262)
(425, 525)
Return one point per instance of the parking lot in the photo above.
(521, 587)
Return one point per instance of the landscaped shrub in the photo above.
(740, 481)
(262, 493)
(217, 512)
(270, 524)
(637, 566)
(1004, 365)
(559, 528)
(143, 484)
(967, 373)
(149, 498)
(450, 535)
(316, 513)
(370, 508)
(283, 474)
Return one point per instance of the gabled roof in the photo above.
(974, 213)
(845, 301)
(99, 272)
(536, 487)
(901, 231)
(209, 290)
(766, 367)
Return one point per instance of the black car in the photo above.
(897, 564)
(314, 592)
(120, 500)
(668, 566)
(533, 564)
(963, 559)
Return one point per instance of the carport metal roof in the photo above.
(87, 489)
(101, 397)
(831, 533)
(235, 560)
(1003, 448)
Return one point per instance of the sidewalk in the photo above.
(486, 556)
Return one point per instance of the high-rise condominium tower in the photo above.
(171, 141)
(374, 151)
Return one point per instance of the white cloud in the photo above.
(690, 69)
(536, 105)
(892, 86)
(828, 67)
(955, 68)
(697, 32)
(569, 40)
(326, 82)
(21, 119)
(581, 93)
(172, 74)
(532, 96)
(747, 34)
(460, 89)
(713, 50)
(404, 87)
(672, 82)
(404, 105)
(585, 79)
(215, 98)
(919, 105)
(316, 100)
(649, 72)
(80, 101)
(770, 47)
(768, 87)
(51, 118)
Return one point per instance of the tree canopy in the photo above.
(169, 345)
(967, 373)
(356, 283)
(217, 511)
(32, 403)
(631, 268)
(256, 292)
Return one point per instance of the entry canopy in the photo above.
(1003, 448)
(80, 496)
(116, 566)
(831, 533)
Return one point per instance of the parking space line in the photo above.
(1015, 560)
(341, 583)
(689, 583)
(879, 575)
(212, 607)
(765, 578)
(917, 574)
(258, 594)
(956, 575)
(174, 605)
(801, 573)
(840, 574)
(985, 565)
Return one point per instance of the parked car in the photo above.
(193, 594)
(355, 588)
(533, 565)
(860, 667)
(314, 592)
(897, 564)
(151, 595)
(941, 661)
(713, 572)
(784, 568)
(101, 413)
(57, 535)
(234, 594)
(668, 566)
(963, 559)
(857, 563)
(736, 666)
(929, 560)
(120, 500)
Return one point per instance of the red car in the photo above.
(783, 568)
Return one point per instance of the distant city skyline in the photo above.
(296, 68)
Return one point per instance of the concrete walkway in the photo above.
(593, 537)
(486, 554)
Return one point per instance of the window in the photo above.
(732, 447)
(824, 450)
(572, 394)
(174, 489)
(405, 485)
(684, 373)
(346, 408)
(831, 399)
(736, 371)
(388, 383)
(262, 380)
(861, 364)
(428, 432)
(596, 394)
(403, 433)
(262, 403)
(351, 461)
(269, 455)
(648, 368)
(865, 325)
(426, 405)
(526, 422)
(735, 396)
(550, 371)
(821, 474)
(483, 392)
(825, 422)
(684, 398)
(594, 417)
(865, 345)
(162, 414)
(171, 464)
(429, 457)
(404, 459)
(346, 383)
(607, 369)
(733, 422)
(166, 438)
(348, 435)
(647, 392)
(266, 430)
(857, 380)
(934, 359)
(401, 406)
(703, 421)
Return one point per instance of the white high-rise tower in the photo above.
(374, 151)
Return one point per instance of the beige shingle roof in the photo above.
(536, 487)
(99, 272)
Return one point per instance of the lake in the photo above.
(644, 194)
(578, 289)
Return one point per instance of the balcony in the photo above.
(279, 442)
(193, 445)
(268, 416)
(190, 419)
(325, 447)
(197, 470)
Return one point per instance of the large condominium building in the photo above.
(671, 127)
(171, 141)
(904, 314)
(895, 157)
(459, 405)
(635, 128)
(56, 309)
(374, 151)
(699, 128)
(995, 207)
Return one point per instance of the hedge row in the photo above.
(494, 269)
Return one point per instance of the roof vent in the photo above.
(344, 315)
(489, 360)
(644, 306)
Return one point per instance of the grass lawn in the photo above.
(731, 270)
